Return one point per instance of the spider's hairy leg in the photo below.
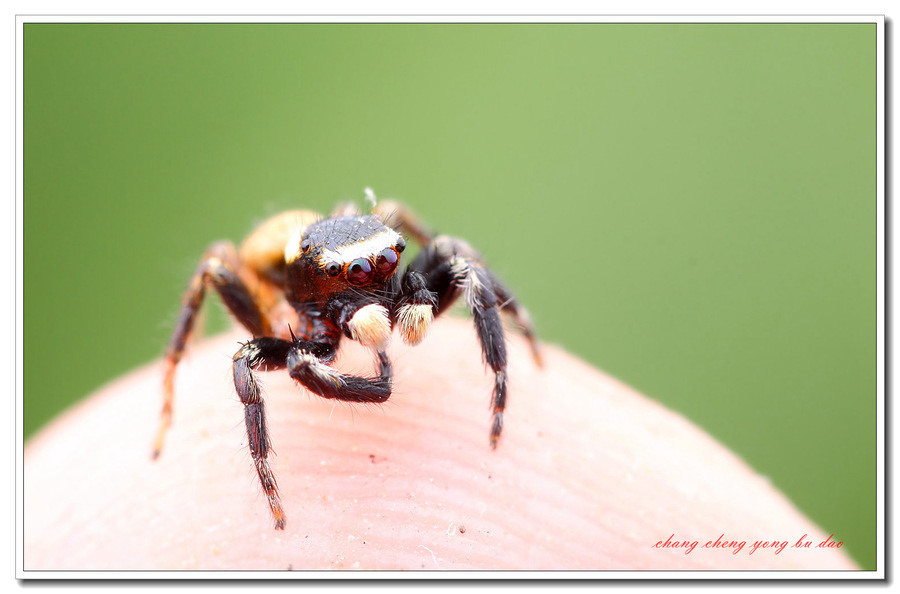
(266, 354)
(219, 268)
(248, 280)
(369, 325)
(472, 277)
(452, 268)
(508, 304)
(308, 364)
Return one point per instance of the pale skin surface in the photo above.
(588, 475)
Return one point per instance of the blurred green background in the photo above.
(690, 207)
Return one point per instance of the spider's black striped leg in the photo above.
(308, 363)
(473, 279)
(263, 354)
(218, 269)
(451, 267)
(508, 304)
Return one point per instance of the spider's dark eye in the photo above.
(305, 245)
(401, 244)
(386, 261)
(333, 269)
(359, 272)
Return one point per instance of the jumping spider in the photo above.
(301, 282)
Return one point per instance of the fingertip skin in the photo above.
(589, 475)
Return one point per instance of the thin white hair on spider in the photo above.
(370, 196)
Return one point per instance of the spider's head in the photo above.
(347, 253)
(346, 262)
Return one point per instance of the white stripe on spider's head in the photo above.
(367, 248)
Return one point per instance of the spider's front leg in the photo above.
(308, 363)
(268, 354)
(448, 267)
(324, 380)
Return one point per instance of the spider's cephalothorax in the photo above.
(299, 283)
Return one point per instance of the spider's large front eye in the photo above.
(386, 261)
(359, 272)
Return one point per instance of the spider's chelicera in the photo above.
(300, 282)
